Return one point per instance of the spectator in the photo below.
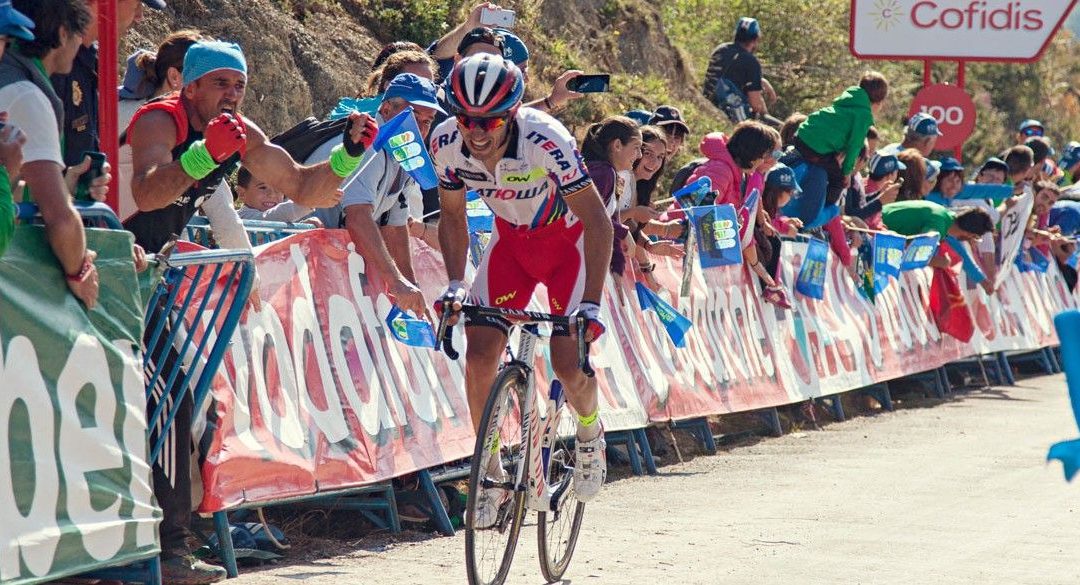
(832, 137)
(13, 25)
(392, 48)
(735, 61)
(949, 182)
(610, 150)
(921, 134)
(780, 187)
(882, 187)
(33, 107)
(151, 75)
(78, 89)
(375, 208)
(737, 166)
(416, 62)
(955, 227)
(1063, 250)
(992, 172)
(1042, 158)
(933, 171)
(670, 120)
(1029, 128)
(1020, 162)
(914, 174)
(789, 128)
(265, 203)
(873, 137)
(1070, 164)
(1066, 216)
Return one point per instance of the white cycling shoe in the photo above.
(491, 501)
(590, 467)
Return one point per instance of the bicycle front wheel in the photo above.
(491, 532)
(557, 531)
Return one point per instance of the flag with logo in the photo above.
(716, 230)
(478, 242)
(477, 213)
(675, 323)
(748, 217)
(408, 330)
(888, 258)
(693, 194)
(920, 251)
(400, 137)
(811, 279)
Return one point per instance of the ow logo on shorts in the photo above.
(506, 298)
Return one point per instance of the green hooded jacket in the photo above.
(840, 127)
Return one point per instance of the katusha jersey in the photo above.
(540, 166)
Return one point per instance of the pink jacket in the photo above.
(720, 168)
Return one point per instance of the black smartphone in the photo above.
(598, 83)
(97, 164)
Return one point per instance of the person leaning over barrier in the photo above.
(33, 107)
(376, 204)
(185, 143)
(921, 133)
(911, 218)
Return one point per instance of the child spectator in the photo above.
(949, 182)
(789, 128)
(265, 203)
(832, 137)
(737, 167)
(992, 172)
(881, 188)
(610, 149)
(914, 175)
(1020, 162)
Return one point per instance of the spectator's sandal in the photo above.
(777, 296)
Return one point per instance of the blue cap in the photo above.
(1070, 155)
(923, 124)
(933, 169)
(747, 29)
(640, 116)
(414, 89)
(883, 164)
(208, 56)
(950, 164)
(782, 176)
(155, 4)
(1031, 127)
(14, 23)
(513, 47)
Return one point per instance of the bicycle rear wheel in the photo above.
(557, 531)
(490, 550)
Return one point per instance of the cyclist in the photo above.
(550, 228)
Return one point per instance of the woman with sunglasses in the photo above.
(550, 227)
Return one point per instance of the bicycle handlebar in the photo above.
(444, 335)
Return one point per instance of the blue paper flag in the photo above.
(1074, 260)
(400, 137)
(716, 231)
(410, 331)
(675, 323)
(693, 194)
(888, 256)
(811, 279)
(920, 251)
(478, 242)
(478, 214)
(1039, 262)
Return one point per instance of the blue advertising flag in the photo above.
(920, 251)
(1039, 262)
(811, 279)
(716, 231)
(888, 257)
(400, 137)
(478, 242)
(675, 323)
(1073, 260)
(410, 331)
(693, 194)
(478, 214)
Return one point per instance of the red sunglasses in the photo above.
(485, 124)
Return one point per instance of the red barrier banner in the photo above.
(315, 395)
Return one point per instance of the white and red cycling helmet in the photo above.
(484, 85)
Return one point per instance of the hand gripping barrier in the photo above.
(259, 232)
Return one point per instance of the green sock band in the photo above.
(589, 419)
(341, 163)
(196, 161)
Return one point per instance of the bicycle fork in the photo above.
(543, 432)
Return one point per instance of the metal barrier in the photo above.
(94, 215)
(259, 232)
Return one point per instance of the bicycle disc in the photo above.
(557, 531)
(490, 550)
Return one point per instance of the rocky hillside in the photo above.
(305, 55)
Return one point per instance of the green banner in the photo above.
(74, 479)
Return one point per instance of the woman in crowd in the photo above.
(610, 149)
(913, 174)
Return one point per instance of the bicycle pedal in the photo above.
(506, 485)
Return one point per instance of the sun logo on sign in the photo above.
(887, 14)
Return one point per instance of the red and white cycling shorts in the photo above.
(517, 259)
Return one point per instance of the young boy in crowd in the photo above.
(992, 172)
(263, 202)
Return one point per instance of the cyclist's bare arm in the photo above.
(588, 207)
(454, 231)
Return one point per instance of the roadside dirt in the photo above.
(953, 492)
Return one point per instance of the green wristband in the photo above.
(341, 163)
(196, 161)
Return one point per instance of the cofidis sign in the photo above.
(973, 30)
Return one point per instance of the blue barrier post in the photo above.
(1067, 324)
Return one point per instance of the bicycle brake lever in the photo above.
(583, 348)
(444, 340)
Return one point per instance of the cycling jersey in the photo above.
(541, 165)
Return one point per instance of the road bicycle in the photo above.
(525, 448)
